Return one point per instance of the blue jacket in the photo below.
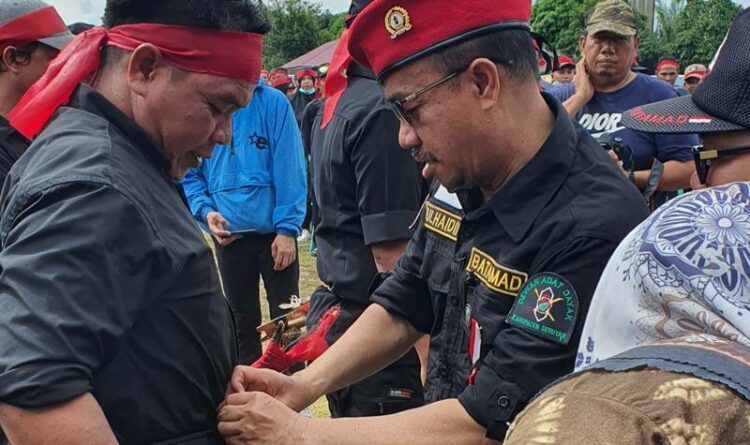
(258, 182)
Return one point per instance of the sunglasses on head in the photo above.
(703, 158)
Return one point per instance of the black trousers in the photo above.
(396, 388)
(241, 265)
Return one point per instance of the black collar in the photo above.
(518, 203)
(87, 99)
(357, 70)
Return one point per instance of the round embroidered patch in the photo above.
(547, 306)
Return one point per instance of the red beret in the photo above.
(565, 61)
(307, 73)
(389, 34)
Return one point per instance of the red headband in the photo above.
(36, 25)
(667, 62)
(307, 73)
(236, 55)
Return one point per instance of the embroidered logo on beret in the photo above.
(548, 306)
(397, 21)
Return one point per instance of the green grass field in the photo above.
(308, 281)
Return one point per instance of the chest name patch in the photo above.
(441, 221)
(494, 275)
(547, 306)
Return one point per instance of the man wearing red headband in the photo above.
(506, 253)
(113, 326)
(667, 70)
(31, 34)
(305, 93)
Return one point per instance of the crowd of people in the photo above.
(511, 247)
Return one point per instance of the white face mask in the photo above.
(308, 92)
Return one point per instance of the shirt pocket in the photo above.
(489, 308)
(436, 262)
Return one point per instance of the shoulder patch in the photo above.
(441, 221)
(494, 275)
(547, 306)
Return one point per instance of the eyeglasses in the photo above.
(703, 159)
(398, 105)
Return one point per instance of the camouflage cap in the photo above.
(616, 16)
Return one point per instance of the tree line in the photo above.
(690, 30)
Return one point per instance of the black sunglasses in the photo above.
(398, 105)
(703, 159)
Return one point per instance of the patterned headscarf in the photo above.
(683, 271)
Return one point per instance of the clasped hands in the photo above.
(261, 408)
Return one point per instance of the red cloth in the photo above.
(312, 346)
(390, 32)
(235, 55)
(36, 25)
(565, 61)
(307, 73)
(667, 62)
(280, 80)
(336, 81)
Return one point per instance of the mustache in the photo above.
(422, 156)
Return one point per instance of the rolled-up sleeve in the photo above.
(389, 187)
(75, 266)
(520, 362)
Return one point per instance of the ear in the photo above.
(636, 44)
(10, 61)
(487, 81)
(582, 43)
(146, 65)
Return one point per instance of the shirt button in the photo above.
(443, 372)
(503, 401)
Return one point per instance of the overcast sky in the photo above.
(90, 11)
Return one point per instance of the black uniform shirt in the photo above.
(556, 221)
(368, 189)
(107, 285)
(299, 102)
(12, 146)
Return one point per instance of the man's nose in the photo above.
(407, 136)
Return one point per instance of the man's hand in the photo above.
(584, 87)
(618, 163)
(284, 252)
(584, 90)
(257, 418)
(290, 390)
(219, 228)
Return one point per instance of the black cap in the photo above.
(720, 103)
